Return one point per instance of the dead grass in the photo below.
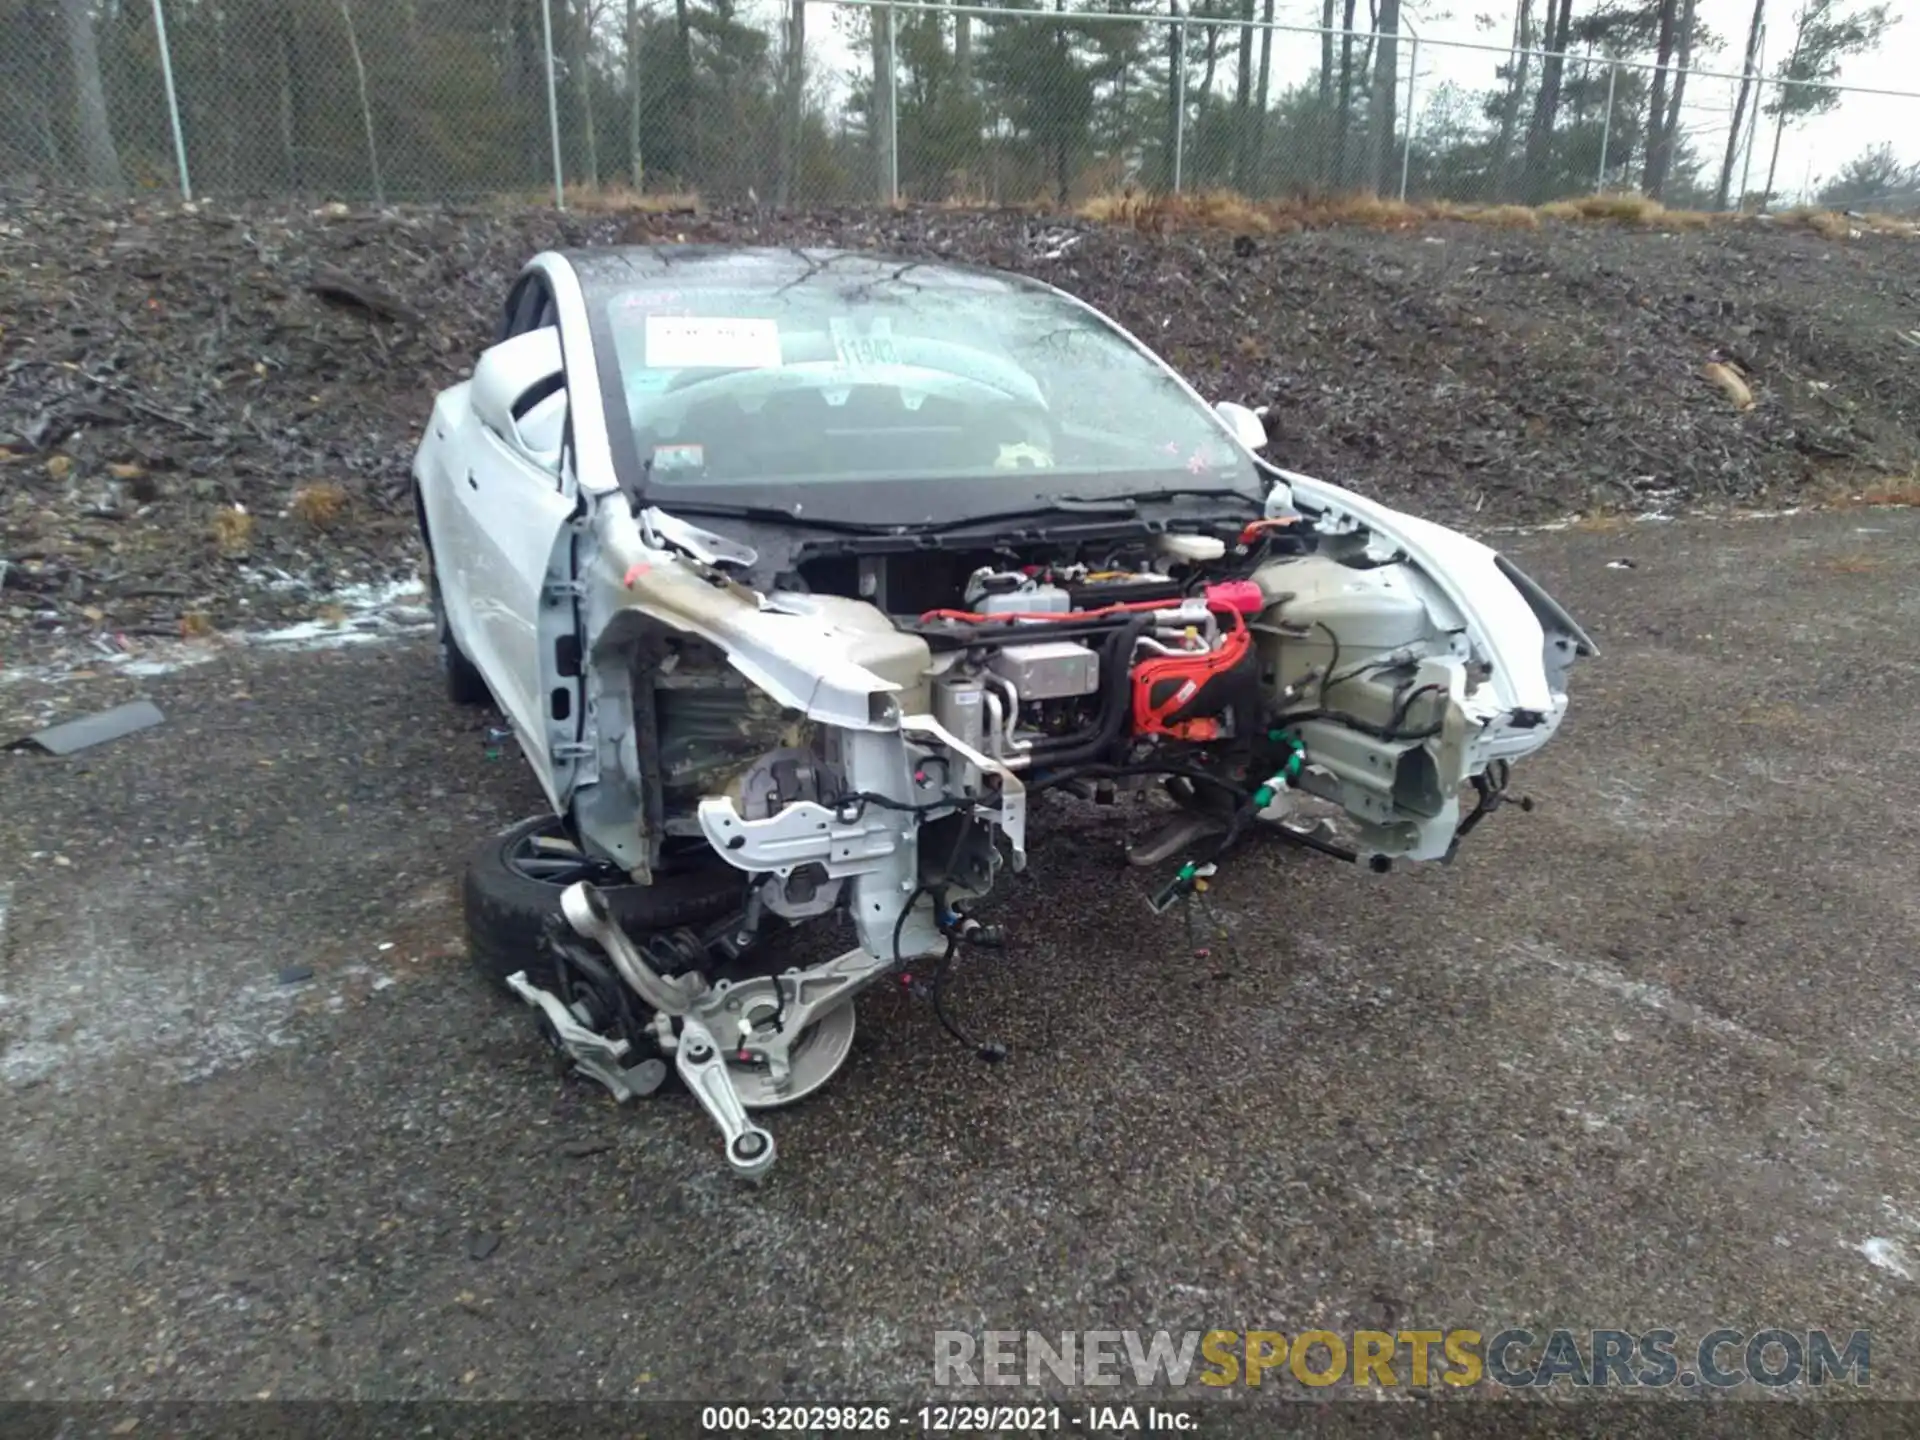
(232, 530)
(1601, 522)
(607, 200)
(1903, 225)
(1626, 208)
(1189, 210)
(1830, 224)
(319, 505)
(1220, 209)
(1836, 225)
(624, 200)
(1903, 490)
(1223, 209)
(1855, 491)
(1369, 212)
(1504, 217)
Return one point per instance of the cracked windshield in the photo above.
(902, 381)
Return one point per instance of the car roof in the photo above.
(605, 269)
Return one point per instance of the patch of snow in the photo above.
(176, 1019)
(368, 613)
(1887, 1254)
(1651, 517)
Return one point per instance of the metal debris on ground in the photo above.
(90, 730)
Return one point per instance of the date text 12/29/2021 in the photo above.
(944, 1419)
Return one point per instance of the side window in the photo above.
(529, 307)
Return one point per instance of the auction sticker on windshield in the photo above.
(685, 342)
(679, 457)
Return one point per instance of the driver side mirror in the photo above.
(1245, 424)
(519, 393)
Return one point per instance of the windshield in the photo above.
(820, 382)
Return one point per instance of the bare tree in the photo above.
(1260, 96)
(1670, 125)
(1747, 66)
(1345, 112)
(1326, 87)
(1653, 174)
(1823, 35)
(794, 80)
(1243, 98)
(1546, 107)
(1386, 92)
(1519, 66)
(639, 169)
(366, 102)
(96, 130)
(1176, 91)
(581, 64)
(881, 109)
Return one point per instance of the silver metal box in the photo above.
(1048, 669)
(957, 706)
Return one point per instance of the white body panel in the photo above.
(496, 519)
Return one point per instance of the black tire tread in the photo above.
(465, 684)
(506, 914)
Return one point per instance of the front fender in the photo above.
(1525, 636)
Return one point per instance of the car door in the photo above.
(515, 498)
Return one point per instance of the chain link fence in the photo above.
(831, 102)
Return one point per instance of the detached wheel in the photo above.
(513, 884)
(465, 684)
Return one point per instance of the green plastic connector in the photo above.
(1287, 774)
(1183, 883)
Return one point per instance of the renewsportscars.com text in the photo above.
(1510, 1358)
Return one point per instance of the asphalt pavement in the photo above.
(1643, 1057)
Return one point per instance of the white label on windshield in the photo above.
(689, 342)
(860, 352)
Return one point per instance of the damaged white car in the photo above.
(796, 574)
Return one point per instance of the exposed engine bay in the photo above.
(1232, 654)
(857, 726)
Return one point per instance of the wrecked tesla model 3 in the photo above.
(798, 573)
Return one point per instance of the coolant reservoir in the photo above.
(1365, 612)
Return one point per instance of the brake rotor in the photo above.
(814, 1057)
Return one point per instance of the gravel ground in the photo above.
(1642, 1057)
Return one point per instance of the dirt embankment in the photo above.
(203, 425)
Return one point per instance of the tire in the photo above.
(465, 684)
(507, 911)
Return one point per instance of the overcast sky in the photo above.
(1810, 153)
